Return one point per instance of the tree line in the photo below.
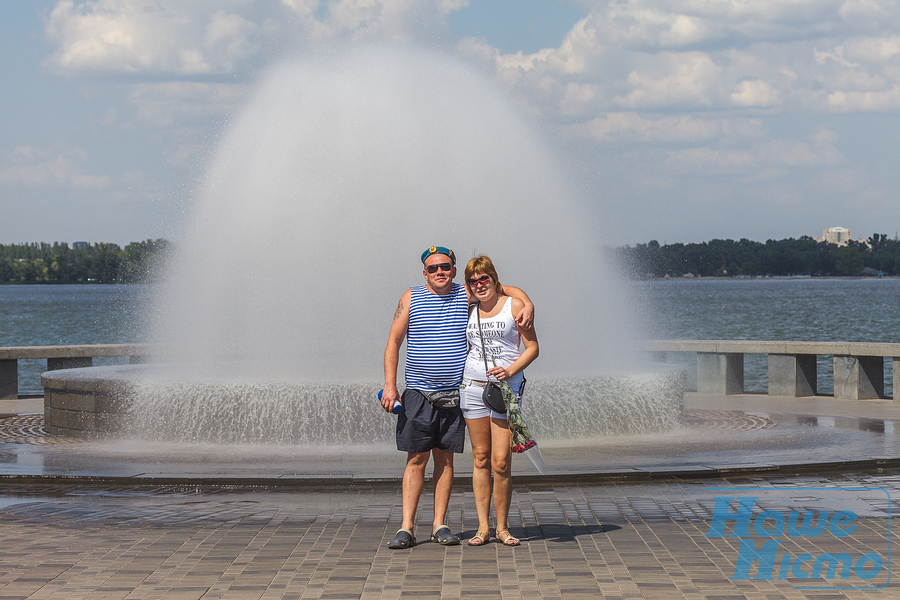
(876, 256)
(138, 262)
(142, 262)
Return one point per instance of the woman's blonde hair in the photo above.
(483, 264)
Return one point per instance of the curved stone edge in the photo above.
(78, 404)
(95, 403)
(573, 479)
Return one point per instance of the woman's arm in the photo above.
(524, 315)
(529, 353)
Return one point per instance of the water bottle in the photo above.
(397, 409)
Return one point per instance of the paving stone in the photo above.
(212, 543)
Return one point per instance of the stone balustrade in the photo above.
(859, 368)
(859, 371)
(60, 357)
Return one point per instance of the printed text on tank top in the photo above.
(501, 341)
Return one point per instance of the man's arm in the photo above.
(525, 317)
(529, 353)
(392, 351)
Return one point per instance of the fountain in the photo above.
(306, 230)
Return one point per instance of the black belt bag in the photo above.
(443, 398)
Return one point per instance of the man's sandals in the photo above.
(444, 537)
(404, 539)
(507, 539)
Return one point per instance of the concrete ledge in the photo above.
(69, 362)
(75, 351)
(774, 347)
(786, 379)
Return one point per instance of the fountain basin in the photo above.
(155, 403)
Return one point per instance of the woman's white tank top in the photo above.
(501, 341)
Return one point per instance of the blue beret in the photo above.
(439, 250)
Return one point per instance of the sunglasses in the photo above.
(483, 279)
(442, 267)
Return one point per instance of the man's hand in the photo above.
(525, 318)
(388, 396)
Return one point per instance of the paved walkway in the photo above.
(614, 540)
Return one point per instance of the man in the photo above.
(432, 318)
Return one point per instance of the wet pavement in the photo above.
(626, 518)
(720, 435)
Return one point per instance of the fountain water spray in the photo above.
(309, 225)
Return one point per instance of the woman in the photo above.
(489, 431)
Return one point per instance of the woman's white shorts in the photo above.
(473, 406)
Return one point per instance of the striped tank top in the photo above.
(436, 339)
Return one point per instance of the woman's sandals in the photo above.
(480, 538)
(507, 539)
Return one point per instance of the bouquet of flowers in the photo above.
(521, 442)
(522, 439)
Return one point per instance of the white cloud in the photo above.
(232, 36)
(302, 8)
(872, 49)
(821, 56)
(632, 126)
(754, 93)
(368, 17)
(710, 86)
(126, 36)
(579, 97)
(765, 159)
(711, 160)
(689, 78)
(219, 37)
(868, 9)
(649, 25)
(169, 103)
(837, 55)
(884, 100)
(33, 167)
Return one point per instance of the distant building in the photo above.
(80, 245)
(836, 235)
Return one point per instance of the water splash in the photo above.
(173, 407)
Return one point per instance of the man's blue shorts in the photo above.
(421, 427)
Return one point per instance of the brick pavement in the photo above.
(612, 541)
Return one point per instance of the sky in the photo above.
(681, 120)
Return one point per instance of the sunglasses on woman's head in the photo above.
(442, 267)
